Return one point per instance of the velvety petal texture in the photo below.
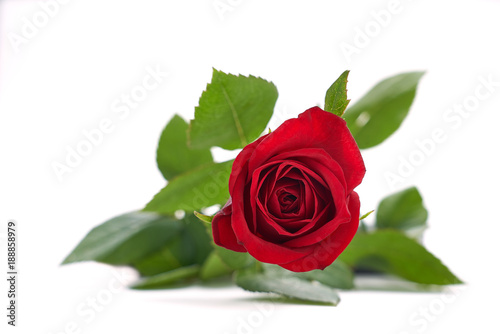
(292, 200)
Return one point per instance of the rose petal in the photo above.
(267, 218)
(314, 128)
(339, 214)
(329, 249)
(284, 186)
(324, 225)
(322, 231)
(223, 232)
(300, 172)
(259, 248)
(274, 230)
(311, 157)
(242, 160)
(265, 174)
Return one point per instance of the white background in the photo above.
(63, 78)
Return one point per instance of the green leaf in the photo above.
(167, 279)
(382, 110)
(173, 156)
(191, 246)
(214, 267)
(337, 275)
(289, 286)
(336, 96)
(392, 252)
(233, 111)
(196, 242)
(161, 261)
(234, 260)
(402, 211)
(204, 218)
(366, 215)
(200, 188)
(125, 238)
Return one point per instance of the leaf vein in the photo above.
(241, 134)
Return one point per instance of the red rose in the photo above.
(292, 200)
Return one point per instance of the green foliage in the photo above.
(234, 260)
(126, 238)
(190, 246)
(214, 267)
(167, 279)
(392, 252)
(200, 188)
(337, 275)
(173, 156)
(402, 211)
(336, 96)
(286, 283)
(366, 215)
(204, 218)
(233, 111)
(379, 113)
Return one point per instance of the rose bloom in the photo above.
(292, 200)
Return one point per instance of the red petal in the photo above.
(259, 248)
(314, 128)
(328, 250)
(326, 227)
(241, 160)
(223, 232)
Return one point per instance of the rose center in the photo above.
(288, 202)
